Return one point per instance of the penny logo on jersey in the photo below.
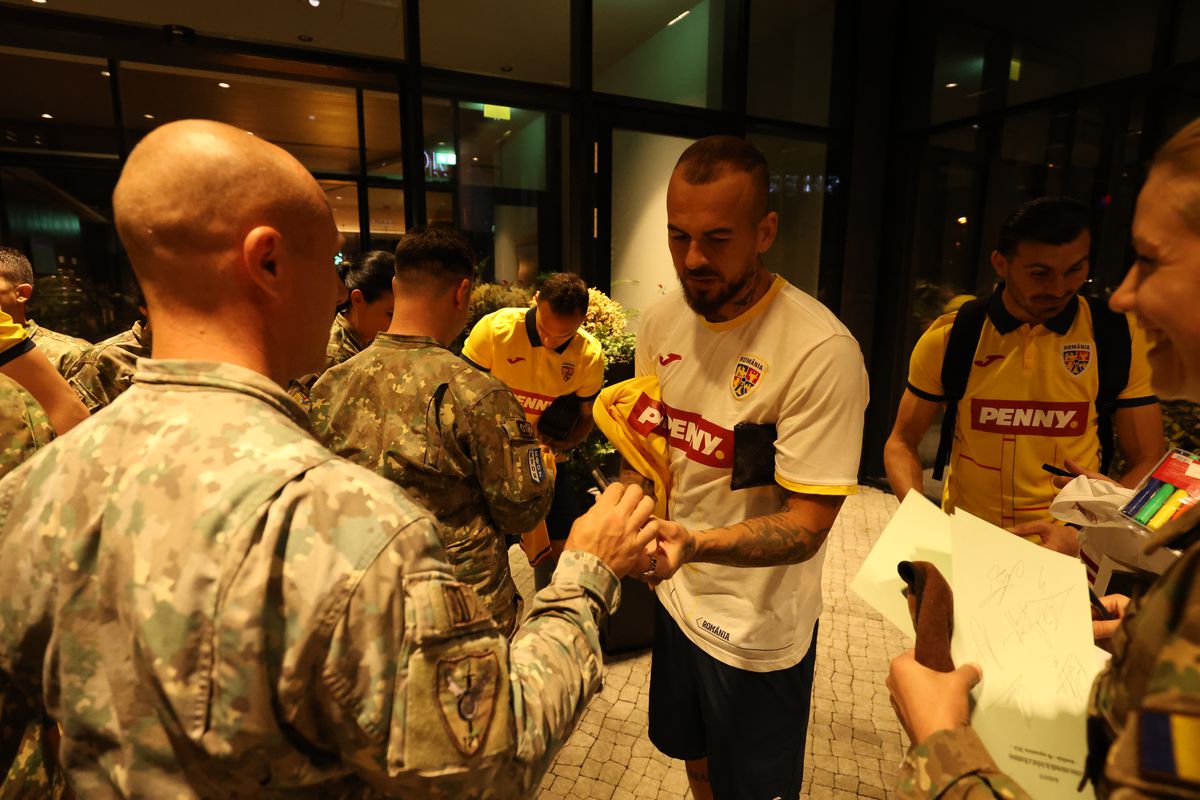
(1029, 418)
(747, 374)
(700, 440)
(1076, 357)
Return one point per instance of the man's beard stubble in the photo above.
(706, 306)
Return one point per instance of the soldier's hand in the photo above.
(1105, 628)
(614, 529)
(927, 701)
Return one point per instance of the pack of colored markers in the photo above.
(1167, 492)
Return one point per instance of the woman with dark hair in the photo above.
(366, 311)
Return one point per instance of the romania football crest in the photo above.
(747, 374)
(1076, 357)
(568, 370)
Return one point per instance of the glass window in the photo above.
(381, 121)
(957, 73)
(387, 217)
(343, 199)
(61, 218)
(791, 59)
(671, 51)
(317, 124)
(52, 102)
(798, 186)
(486, 168)
(491, 38)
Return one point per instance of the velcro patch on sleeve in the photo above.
(1169, 747)
(537, 469)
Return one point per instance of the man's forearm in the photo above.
(1136, 471)
(786, 537)
(903, 468)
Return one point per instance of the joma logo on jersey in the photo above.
(1030, 418)
(1076, 357)
(747, 374)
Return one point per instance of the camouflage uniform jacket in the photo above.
(213, 605)
(343, 345)
(24, 428)
(1153, 678)
(105, 369)
(62, 350)
(451, 436)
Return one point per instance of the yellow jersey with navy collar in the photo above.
(1029, 401)
(506, 343)
(14, 340)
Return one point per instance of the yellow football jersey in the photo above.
(1029, 401)
(13, 339)
(507, 344)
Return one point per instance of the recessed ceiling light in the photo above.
(304, 37)
(474, 158)
(314, 3)
(47, 116)
(40, 2)
(312, 116)
(962, 220)
(148, 116)
(337, 197)
(681, 16)
(106, 73)
(951, 85)
(223, 85)
(250, 132)
(506, 68)
(441, 144)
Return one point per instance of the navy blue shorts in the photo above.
(565, 506)
(751, 726)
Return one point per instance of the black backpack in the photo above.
(1110, 331)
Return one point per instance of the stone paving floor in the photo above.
(854, 741)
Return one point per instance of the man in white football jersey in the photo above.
(763, 393)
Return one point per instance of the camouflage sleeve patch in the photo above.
(509, 466)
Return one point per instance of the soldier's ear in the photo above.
(260, 252)
(462, 295)
(24, 292)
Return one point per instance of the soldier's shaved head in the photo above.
(195, 188)
(219, 222)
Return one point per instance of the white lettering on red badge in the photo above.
(1027, 417)
(532, 402)
(700, 440)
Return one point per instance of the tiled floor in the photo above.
(854, 742)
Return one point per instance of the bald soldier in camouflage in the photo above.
(105, 370)
(213, 605)
(454, 438)
(16, 288)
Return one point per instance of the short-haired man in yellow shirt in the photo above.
(543, 355)
(1030, 397)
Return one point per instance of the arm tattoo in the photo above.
(765, 541)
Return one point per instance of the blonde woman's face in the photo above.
(1162, 287)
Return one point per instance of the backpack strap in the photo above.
(956, 369)
(1114, 348)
